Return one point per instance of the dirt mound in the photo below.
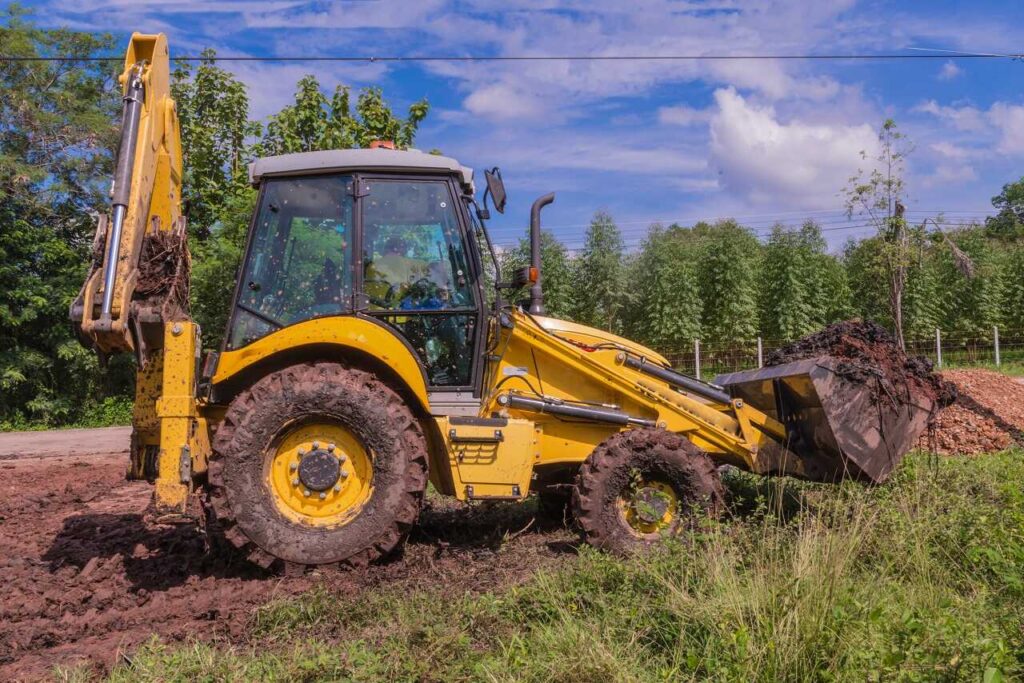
(87, 576)
(988, 415)
(867, 350)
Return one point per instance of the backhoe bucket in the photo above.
(836, 426)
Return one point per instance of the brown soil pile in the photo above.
(86, 576)
(866, 350)
(988, 415)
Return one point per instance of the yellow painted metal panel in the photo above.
(344, 331)
(486, 466)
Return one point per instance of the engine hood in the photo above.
(593, 336)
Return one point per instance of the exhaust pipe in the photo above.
(536, 293)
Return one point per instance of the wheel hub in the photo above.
(319, 470)
(650, 504)
(320, 474)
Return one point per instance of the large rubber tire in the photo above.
(608, 473)
(240, 495)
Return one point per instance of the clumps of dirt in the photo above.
(867, 351)
(88, 575)
(988, 415)
(164, 267)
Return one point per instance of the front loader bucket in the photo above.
(836, 426)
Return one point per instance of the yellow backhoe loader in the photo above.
(365, 356)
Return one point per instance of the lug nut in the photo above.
(342, 458)
(302, 452)
(337, 487)
(295, 482)
(294, 466)
(343, 474)
(330, 447)
(322, 495)
(316, 445)
(306, 493)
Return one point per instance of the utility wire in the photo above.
(538, 58)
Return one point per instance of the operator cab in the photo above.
(378, 233)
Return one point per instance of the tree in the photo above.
(865, 266)
(1009, 222)
(598, 272)
(666, 310)
(803, 287)
(313, 122)
(730, 257)
(216, 139)
(879, 197)
(555, 268)
(56, 137)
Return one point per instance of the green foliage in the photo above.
(216, 134)
(556, 278)
(878, 195)
(666, 308)
(727, 270)
(598, 275)
(56, 133)
(1009, 222)
(917, 580)
(973, 304)
(315, 122)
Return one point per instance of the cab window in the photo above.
(413, 256)
(416, 276)
(300, 259)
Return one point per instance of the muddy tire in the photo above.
(641, 486)
(242, 489)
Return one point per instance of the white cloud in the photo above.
(795, 163)
(1005, 120)
(952, 151)
(1009, 119)
(503, 101)
(683, 116)
(945, 174)
(964, 118)
(949, 71)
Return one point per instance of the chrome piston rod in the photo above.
(121, 191)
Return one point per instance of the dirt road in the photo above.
(61, 442)
(86, 577)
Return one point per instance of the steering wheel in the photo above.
(382, 301)
(420, 293)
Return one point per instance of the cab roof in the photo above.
(380, 159)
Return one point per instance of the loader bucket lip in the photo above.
(837, 426)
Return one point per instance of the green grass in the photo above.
(918, 580)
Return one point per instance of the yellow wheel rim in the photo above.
(649, 506)
(333, 485)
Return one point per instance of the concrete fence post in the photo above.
(696, 358)
(995, 342)
(938, 348)
(760, 354)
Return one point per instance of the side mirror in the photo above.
(496, 188)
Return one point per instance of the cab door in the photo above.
(417, 274)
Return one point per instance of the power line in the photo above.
(535, 58)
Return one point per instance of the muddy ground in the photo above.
(86, 577)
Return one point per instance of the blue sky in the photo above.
(648, 141)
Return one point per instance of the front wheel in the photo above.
(643, 485)
(317, 464)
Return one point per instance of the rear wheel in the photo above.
(317, 464)
(642, 485)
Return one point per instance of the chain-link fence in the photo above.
(997, 348)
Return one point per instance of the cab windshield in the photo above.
(300, 259)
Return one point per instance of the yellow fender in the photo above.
(349, 332)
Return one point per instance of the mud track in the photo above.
(86, 578)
